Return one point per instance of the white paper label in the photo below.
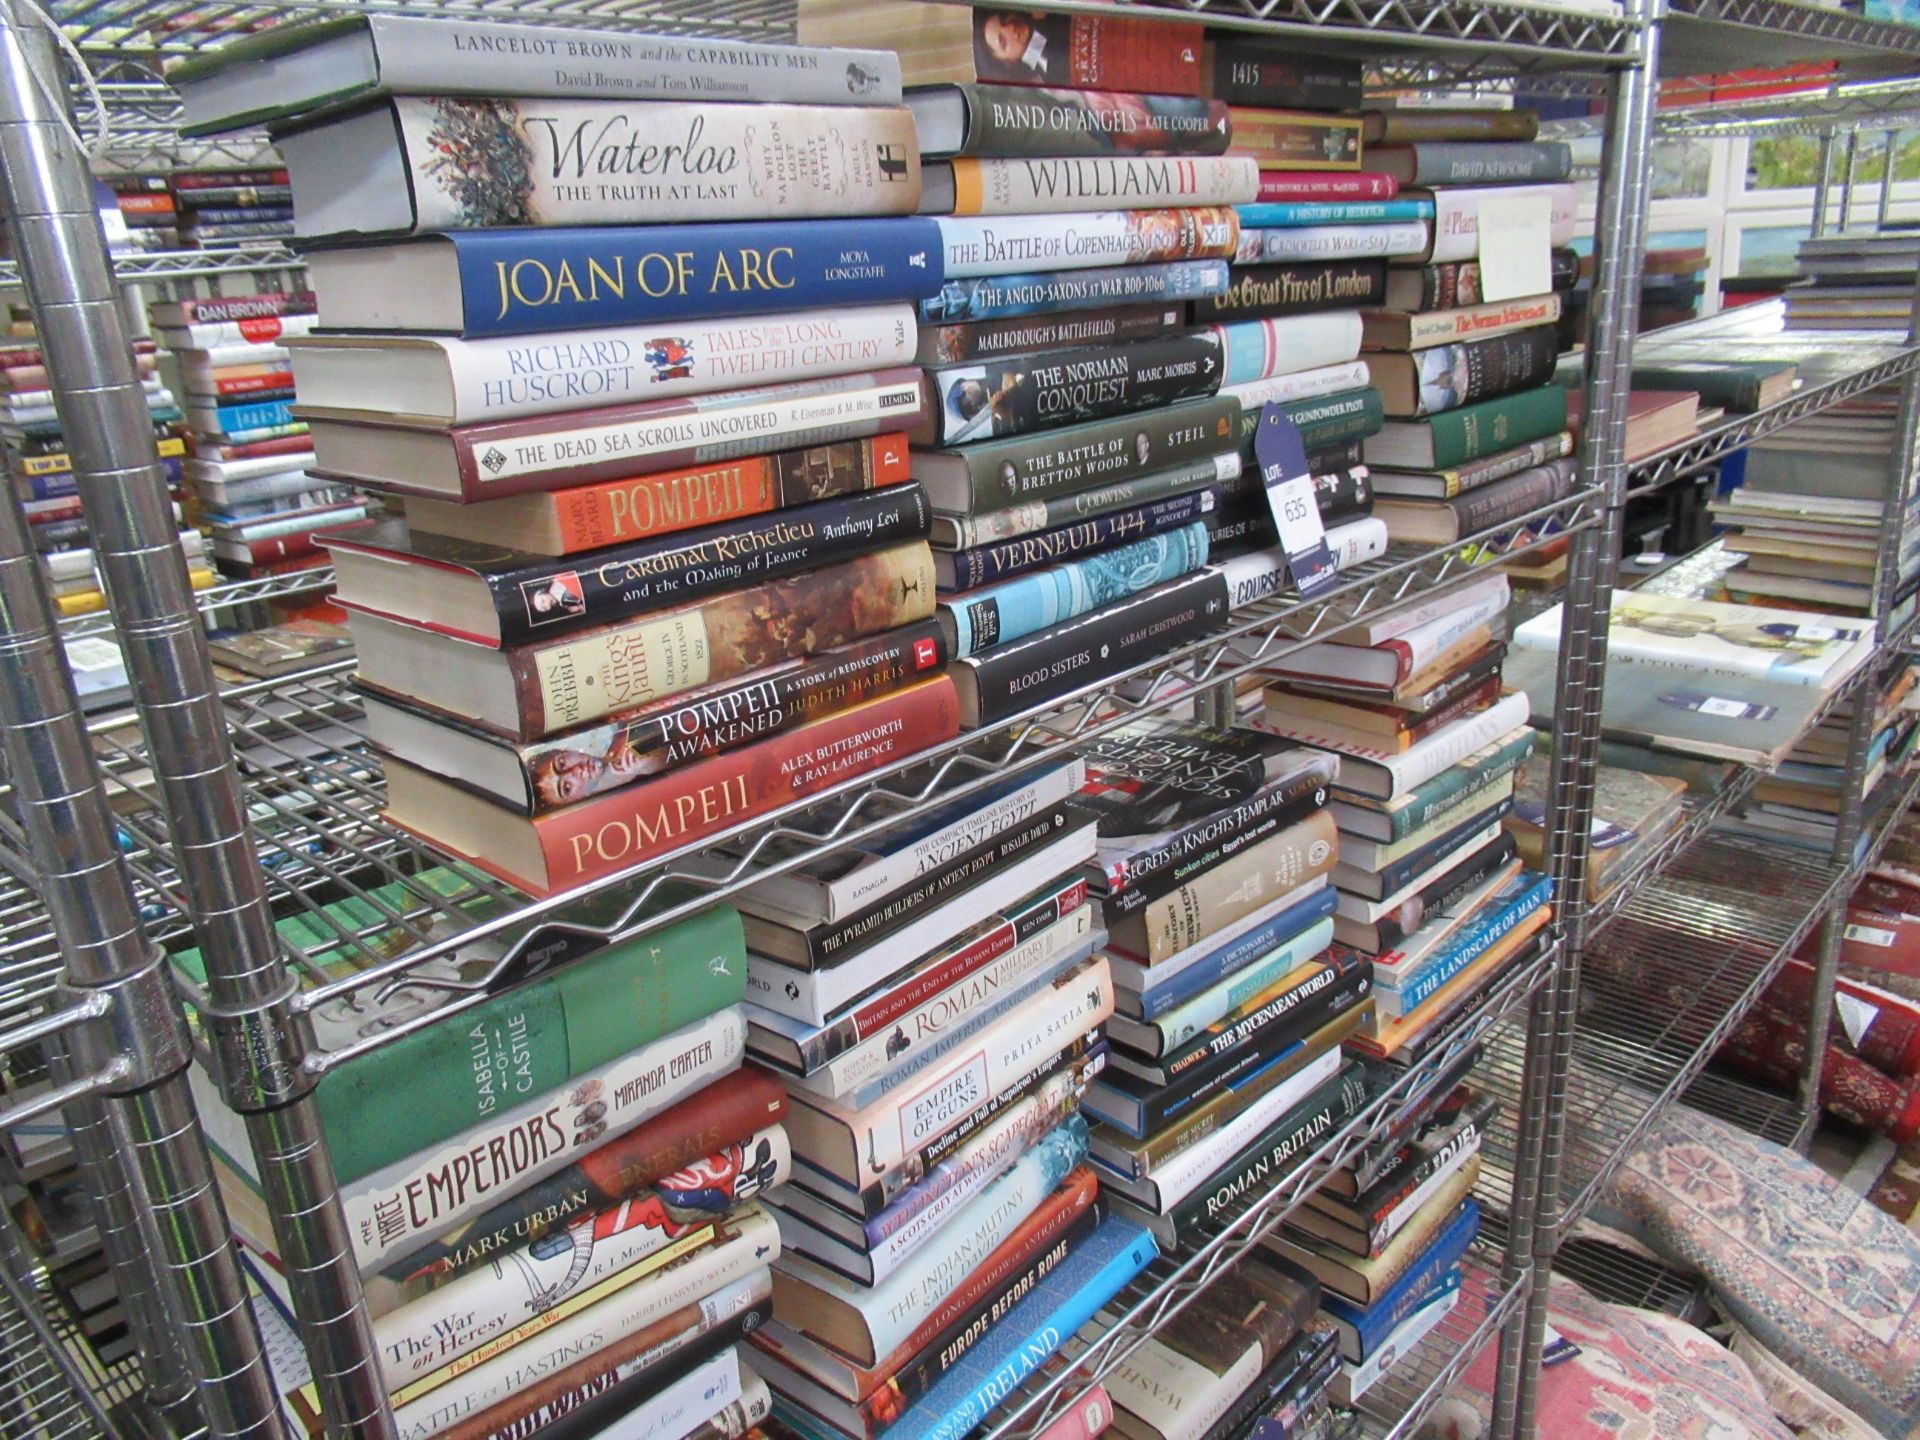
(91, 654)
(1714, 705)
(1870, 935)
(1855, 1015)
(1516, 244)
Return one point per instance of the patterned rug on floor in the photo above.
(1897, 1191)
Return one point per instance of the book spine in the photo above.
(1017, 608)
(1463, 478)
(268, 550)
(529, 281)
(1017, 335)
(244, 330)
(1203, 1013)
(887, 1133)
(397, 1209)
(1396, 874)
(1232, 955)
(1296, 139)
(1287, 214)
(521, 1401)
(1248, 71)
(244, 199)
(1284, 862)
(1456, 786)
(646, 1232)
(1017, 244)
(1096, 1271)
(1272, 290)
(1456, 220)
(1045, 391)
(1016, 294)
(1440, 327)
(982, 566)
(1323, 422)
(1489, 163)
(624, 827)
(1413, 126)
(1274, 244)
(961, 1006)
(1144, 876)
(572, 161)
(656, 572)
(1052, 465)
(592, 517)
(576, 679)
(720, 1121)
(1376, 1322)
(1034, 123)
(1493, 425)
(1109, 640)
(1256, 350)
(242, 214)
(1283, 186)
(509, 377)
(278, 382)
(1275, 1155)
(558, 451)
(1479, 937)
(1343, 494)
(230, 418)
(1494, 366)
(1513, 497)
(1378, 1202)
(1105, 182)
(973, 531)
(660, 737)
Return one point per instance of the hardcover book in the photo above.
(1482, 162)
(1015, 244)
(1257, 349)
(1409, 125)
(550, 685)
(1448, 482)
(433, 381)
(1001, 120)
(1273, 290)
(1445, 377)
(1296, 139)
(1001, 559)
(1470, 432)
(380, 170)
(1397, 330)
(978, 401)
(482, 462)
(1456, 219)
(1018, 334)
(275, 76)
(1057, 186)
(501, 597)
(971, 532)
(1280, 244)
(1492, 507)
(999, 297)
(555, 851)
(533, 281)
(1277, 186)
(1247, 69)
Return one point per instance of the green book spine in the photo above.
(1332, 420)
(1737, 387)
(1458, 784)
(1494, 425)
(440, 1080)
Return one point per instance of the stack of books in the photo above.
(223, 209)
(1432, 897)
(1476, 432)
(1634, 810)
(1215, 848)
(1385, 1236)
(147, 208)
(1857, 280)
(250, 457)
(569, 1195)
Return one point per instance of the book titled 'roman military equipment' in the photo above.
(498, 596)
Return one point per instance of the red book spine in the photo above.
(1403, 655)
(622, 828)
(281, 547)
(1086, 52)
(220, 179)
(283, 445)
(145, 204)
(1089, 1416)
(1276, 185)
(317, 560)
(252, 384)
(246, 307)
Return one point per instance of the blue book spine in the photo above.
(1415, 1288)
(997, 297)
(1020, 607)
(1030, 1333)
(1236, 990)
(1399, 873)
(1204, 974)
(1472, 942)
(1003, 558)
(1281, 214)
(524, 281)
(254, 416)
(63, 486)
(242, 215)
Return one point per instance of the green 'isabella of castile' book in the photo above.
(570, 1009)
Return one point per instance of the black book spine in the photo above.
(591, 1415)
(1262, 291)
(1245, 525)
(1566, 268)
(1458, 684)
(1372, 1208)
(1043, 391)
(1005, 558)
(1200, 847)
(1343, 495)
(1288, 1367)
(1107, 641)
(1447, 890)
(1065, 462)
(1019, 334)
(1501, 364)
(1507, 499)
(1381, 1155)
(1017, 121)
(1291, 1411)
(1275, 1155)
(1338, 455)
(1399, 873)
(1440, 1030)
(831, 944)
(1247, 72)
(555, 596)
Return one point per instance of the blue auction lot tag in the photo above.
(1282, 456)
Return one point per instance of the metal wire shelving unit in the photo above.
(270, 793)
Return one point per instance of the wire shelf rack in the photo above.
(1397, 1404)
(1853, 104)
(134, 265)
(40, 1396)
(215, 598)
(1715, 36)
(317, 798)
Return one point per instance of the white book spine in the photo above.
(816, 996)
(1135, 182)
(248, 468)
(1263, 349)
(711, 1288)
(504, 377)
(1452, 613)
(999, 1058)
(688, 1402)
(198, 361)
(1465, 1146)
(604, 1250)
(613, 162)
(1309, 384)
(1331, 242)
(899, 1051)
(1357, 541)
(1352, 1381)
(397, 1208)
(885, 874)
(216, 334)
(1139, 978)
(1016, 244)
(1450, 744)
(1456, 217)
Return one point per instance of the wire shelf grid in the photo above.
(130, 265)
(1716, 36)
(1400, 1400)
(215, 598)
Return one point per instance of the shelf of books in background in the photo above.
(204, 209)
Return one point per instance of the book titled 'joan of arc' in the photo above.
(983, 400)
(498, 596)
(383, 169)
(526, 281)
